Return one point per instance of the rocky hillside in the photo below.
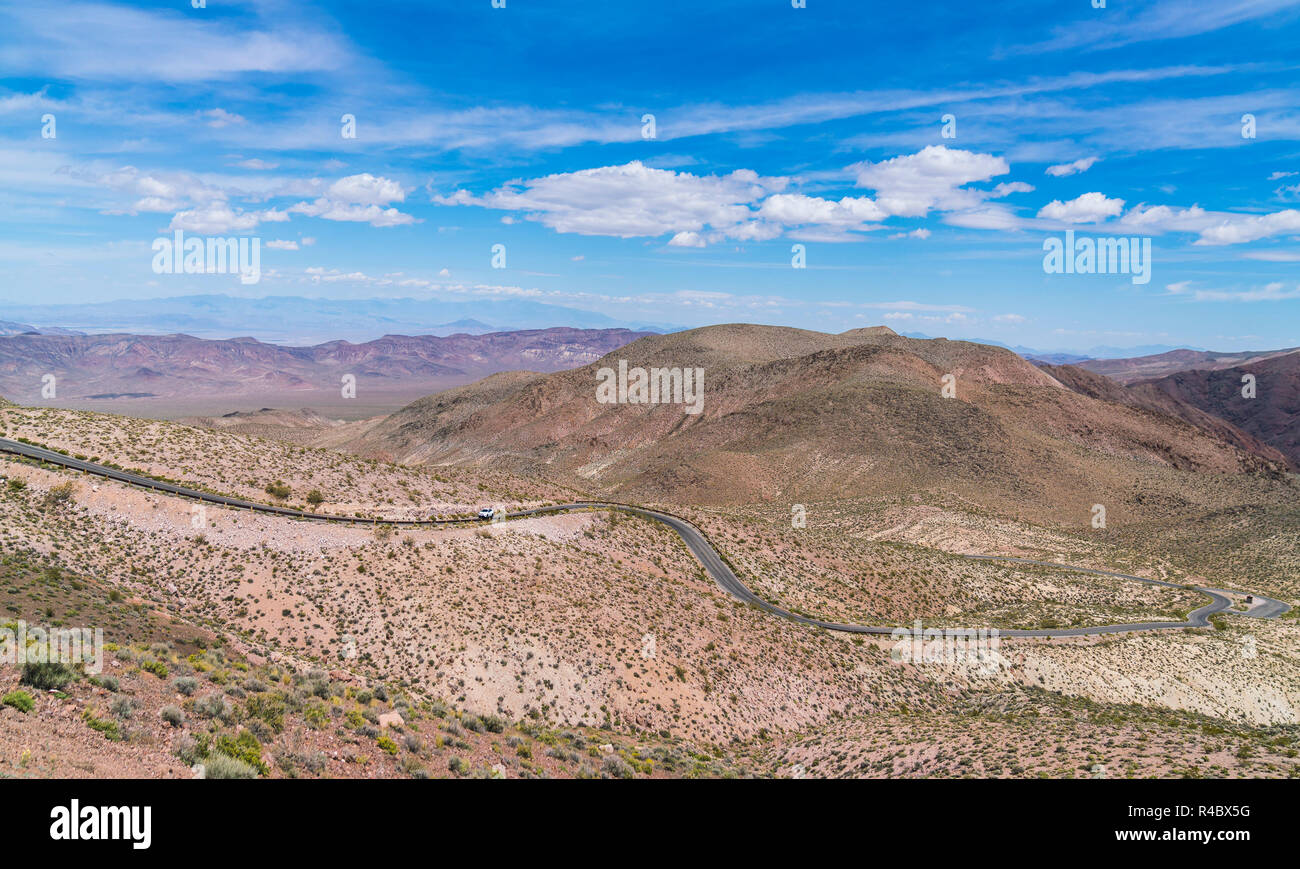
(789, 414)
(1272, 416)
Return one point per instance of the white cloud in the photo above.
(217, 218)
(1271, 292)
(277, 244)
(1009, 318)
(366, 189)
(633, 200)
(1083, 164)
(1213, 227)
(687, 239)
(796, 209)
(1088, 208)
(1273, 256)
(359, 199)
(1238, 228)
(219, 118)
(934, 178)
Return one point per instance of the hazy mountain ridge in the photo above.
(182, 365)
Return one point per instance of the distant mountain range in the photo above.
(117, 366)
(299, 320)
(8, 327)
(1064, 357)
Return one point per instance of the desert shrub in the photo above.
(493, 723)
(60, 494)
(472, 723)
(44, 676)
(412, 766)
(190, 749)
(220, 765)
(267, 708)
(20, 700)
(173, 715)
(386, 743)
(185, 685)
(315, 498)
(614, 766)
(158, 668)
(213, 705)
(315, 716)
(106, 726)
(108, 683)
(122, 707)
(456, 765)
(243, 747)
(279, 490)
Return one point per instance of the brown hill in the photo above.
(1147, 397)
(795, 415)
(1272, 416)
(1147, 367)
(170, 366)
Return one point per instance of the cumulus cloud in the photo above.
(359, 199)
(1088, 208)
(218, 218)
(694, 210)
(157, 191)
(932, 179)
(631, 200)
(1213, 227)
(1060, 170)
(366, 189)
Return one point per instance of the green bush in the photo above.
(387, 744)
(45, 676)
(20, 700)
(173, 715)
(279, 489)
(185, 685)
(158, 668)
(106, 726)
(268, 708)
(244, 747)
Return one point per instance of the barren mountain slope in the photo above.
(791, 415)
(1142, 395)
(1272, 416)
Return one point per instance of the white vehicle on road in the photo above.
(486, 513)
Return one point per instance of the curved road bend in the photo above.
(698, 544)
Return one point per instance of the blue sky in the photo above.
(774, 126)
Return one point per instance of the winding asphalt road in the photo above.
(713, 563)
